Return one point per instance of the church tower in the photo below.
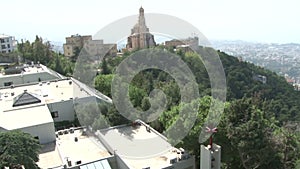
(140, 36)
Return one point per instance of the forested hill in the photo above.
(280, 96)
(242, 78)
(257, 129)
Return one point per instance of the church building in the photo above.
(140, 36)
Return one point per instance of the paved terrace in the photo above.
(86, 149)
(139, 146)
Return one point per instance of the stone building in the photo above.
(74, 44)
(140, 36)
(174, 43)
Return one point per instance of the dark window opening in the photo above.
(37, 138)
(54, 114)
(8, 83)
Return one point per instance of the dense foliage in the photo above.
(42, 52)
(17, 149)
(253, 131)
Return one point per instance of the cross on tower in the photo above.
(211, 131)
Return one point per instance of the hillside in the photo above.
(257, 119)
(280, 96)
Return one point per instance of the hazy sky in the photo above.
(250, 20)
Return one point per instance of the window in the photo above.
(8, 45)
(54, 114)
(8, 83)
(3, 46)
(2, 40)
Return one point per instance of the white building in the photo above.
(34, 107)
(139, 146)
(120, 147)
(27, 74)
(34, 119)
(7, 43)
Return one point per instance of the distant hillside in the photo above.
(280, 58)
(253, 130)
(282, 99)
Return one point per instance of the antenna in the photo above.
(141, 1)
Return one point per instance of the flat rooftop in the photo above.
(21, 118)
(49, 156)
(48, 92)
(85, 149)
(31, 69)
(140, 146)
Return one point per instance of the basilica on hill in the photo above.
(140, 36)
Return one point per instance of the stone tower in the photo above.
(140, 37)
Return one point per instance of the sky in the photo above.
(269, 21)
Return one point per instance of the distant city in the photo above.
(284, 59)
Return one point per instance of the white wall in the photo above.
(45, 132)
(65, 110)
(120, 163)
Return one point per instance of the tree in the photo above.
(103, 84)
(17, 149)
(250, 131)
(288, 143)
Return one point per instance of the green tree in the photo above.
(250, 131)
(288, 143)
(18, 148)
(103, 84)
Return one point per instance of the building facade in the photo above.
(174, 43)
(74, 44)
(140, 36)
(7, 43)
